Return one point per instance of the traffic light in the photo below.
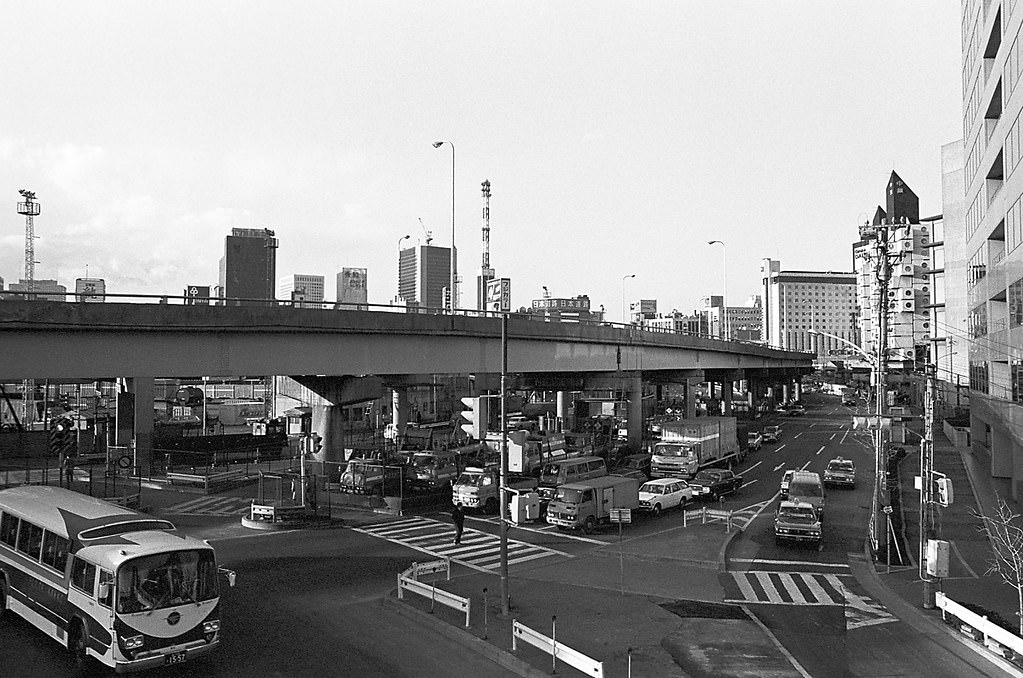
(476, 415)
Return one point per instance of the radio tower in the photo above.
(486, 273)
(30, 208)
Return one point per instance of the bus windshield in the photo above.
(165, 580)
(672, 450)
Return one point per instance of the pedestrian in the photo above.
(458, 516)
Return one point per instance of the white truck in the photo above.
(479, 488)
(689, 445)
(589, 502)
(528, 452)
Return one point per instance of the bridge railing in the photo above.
(538, 315)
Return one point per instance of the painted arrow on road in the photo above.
(779, 466)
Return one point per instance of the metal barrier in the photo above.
(207, 481)
(574, 658)
(978, 628)
(435, 595)
(706, 515)
(432, 567)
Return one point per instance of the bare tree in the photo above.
(1005, 531)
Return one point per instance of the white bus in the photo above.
(111, 584)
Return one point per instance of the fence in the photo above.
(574, 658)
(407, 581)
(978, 628)
(706, 515)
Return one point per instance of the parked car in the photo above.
(772, 434)
(714, 483)
(662, 494)
(754, 441)
(797, 411)
(786, 478)
(840, 472)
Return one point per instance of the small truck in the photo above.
(588, 503)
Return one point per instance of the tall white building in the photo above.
(304, 291)
(798, 304)
(992, 68)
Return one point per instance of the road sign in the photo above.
(887, 509)
(622, 515)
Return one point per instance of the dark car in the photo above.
(797, 411)
(634, 465)
(714, 483)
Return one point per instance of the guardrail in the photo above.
(973, 625)
(435, 595)
(574, 658)
(416, 570)
(207, 481)
(706, 515)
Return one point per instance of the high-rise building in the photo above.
(302, 290)
(800, 304)
(992, 66)
(49, 290)
(424, 275)
(248, 268)
(741, 323)
(948, 270)
(352, 291)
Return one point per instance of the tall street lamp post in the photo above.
(397, 296)
(723, 323)
(454, 258)
(625, 319)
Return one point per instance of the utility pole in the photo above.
(879, 501)
(927, 487)
(505, 596)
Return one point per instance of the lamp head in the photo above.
(438, 144)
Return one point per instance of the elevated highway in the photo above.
(333, 351)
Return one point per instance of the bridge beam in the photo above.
(344, 389)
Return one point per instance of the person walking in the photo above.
(458, 516)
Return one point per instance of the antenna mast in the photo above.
(30, 208)
(486, 227)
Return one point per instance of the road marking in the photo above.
(753, 466)
(842, 441)
(781, 465)
(747, 484)
(780, 448)
(820, 450)
(833, 436)
(777, 643)
(797, 435)
(787, 562)
(544, 530)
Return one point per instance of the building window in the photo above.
(979, 377)
(978, 321)
(1016, 377)
(1015, 299)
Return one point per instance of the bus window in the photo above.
(8, 529)
(30, 539)
(55, 551)
(83, 575)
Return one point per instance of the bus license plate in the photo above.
(176, 658)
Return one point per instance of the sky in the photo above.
(619, 138)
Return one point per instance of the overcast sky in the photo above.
(619, 137)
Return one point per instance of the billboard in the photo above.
(499, 295)
(197, 295)
(90, 289)
(352, 287)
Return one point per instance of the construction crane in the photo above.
(429, 233)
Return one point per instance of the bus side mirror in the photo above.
(230, 574)
(104, 590)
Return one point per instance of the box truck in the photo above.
(689, 445)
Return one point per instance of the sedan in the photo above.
(797, 411)
(662, 494)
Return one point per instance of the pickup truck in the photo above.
(714, 483)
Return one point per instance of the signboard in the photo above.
(197, 295)
(576, 304)
(90, 289)
(621, 515)
(498, 296)
(352, 286)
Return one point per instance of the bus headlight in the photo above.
(211, 626)
(132, 643)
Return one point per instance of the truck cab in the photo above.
(435, 469)
(477, 488)
(588, 503)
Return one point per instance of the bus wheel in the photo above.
(491, 506)
(77, 643)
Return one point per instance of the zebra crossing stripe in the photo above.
(744, 587)
(821, 593)
(793, 590)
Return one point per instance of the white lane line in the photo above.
(797, 435)
(753, 466)
(842, 441)
(833, 436)
(748, 483)
(820, 450)
(787, 562)
(780, 448)
(779, 466)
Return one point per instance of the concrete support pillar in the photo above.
(713, 392)
(399, 409)
(635, 413)
(690, 399)
(785, 392)
(726, 398)
(799, 390)
(328, 424)
(562, 403)
(141, 390)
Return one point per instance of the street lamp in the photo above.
(397, 296)
(724, 291)
(624, 278)
(452, 294)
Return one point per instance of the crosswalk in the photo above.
(807, 588)
(478, 550)
(211, 506)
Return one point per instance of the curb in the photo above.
(495, 654)
(935, 629)
(723, 551)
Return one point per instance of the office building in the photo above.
(248, 268)
(741, 323)
(424, 275)
(352, 290)
(694, 323)
(49, 290)
(302, 290)
(992, 67)
(799, 304)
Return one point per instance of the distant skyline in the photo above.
(618, 138)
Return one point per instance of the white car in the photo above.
(662, 494)
(786, 478)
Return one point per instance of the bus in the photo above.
(91, 575)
